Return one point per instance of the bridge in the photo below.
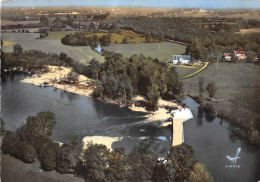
(178, 118)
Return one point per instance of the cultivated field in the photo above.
(53, 44)
(162, 51)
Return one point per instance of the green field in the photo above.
(52, 44)
(162, 51)
(118, 36)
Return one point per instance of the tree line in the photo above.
(96, 162)
(80, 39)
(207, 40)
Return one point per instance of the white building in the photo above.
(181, 59)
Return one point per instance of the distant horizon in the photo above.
(169, 4)
(147, 7)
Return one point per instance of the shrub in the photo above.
(26, 152)
(200, 173)
(211, 88)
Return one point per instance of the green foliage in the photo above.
(37, 126)
(48, 155)
(181, 161)
(200, 173)
(153, 96)
(69, 156)
(123, 77)
(2, 124)
(27, 153)
(10, 143)
(118, 168)
(80, 39)
(211, 88)
(44, 20)
(33, 138)
(94, 69)
(141, 163)
(96, 159)
(17, 50)
(125, 41)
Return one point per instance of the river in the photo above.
(211, 138)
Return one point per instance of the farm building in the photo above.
(240, 54)
(181, 59)
(228, 56)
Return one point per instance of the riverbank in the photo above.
(59, 77)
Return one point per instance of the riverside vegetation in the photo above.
(96, 162)
(118, 78)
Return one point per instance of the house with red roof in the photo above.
(227, 56)
(240, 54)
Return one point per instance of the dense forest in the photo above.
(207, 39)
(121, 78)
(97, 163)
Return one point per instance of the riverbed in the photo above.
(210, 137)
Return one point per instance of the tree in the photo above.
(201, 84)
(153, 96)
(63, 56)
(200, 173)
(69, 155)
(141, 162)
(37, 126)
(94, 69)
(211, 88)
(181, 161)
(44, 20)
(117, 170)
(26, 153)
(48, 155)
(125, 41)
(17, 50)
(96, 160)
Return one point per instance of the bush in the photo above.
(200, 173)
(211, 88)
(10, 143)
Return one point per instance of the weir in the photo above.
(178, 118)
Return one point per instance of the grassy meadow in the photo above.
(162, 51)
(52, 44)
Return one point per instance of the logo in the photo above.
(233, 160)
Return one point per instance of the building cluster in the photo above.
(240, 55)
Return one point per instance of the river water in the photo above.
(211, 138)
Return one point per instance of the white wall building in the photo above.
(181, 59)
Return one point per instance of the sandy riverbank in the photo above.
(107, 141)
(85, 86)
(161, 114)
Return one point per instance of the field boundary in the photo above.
(190, 75)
